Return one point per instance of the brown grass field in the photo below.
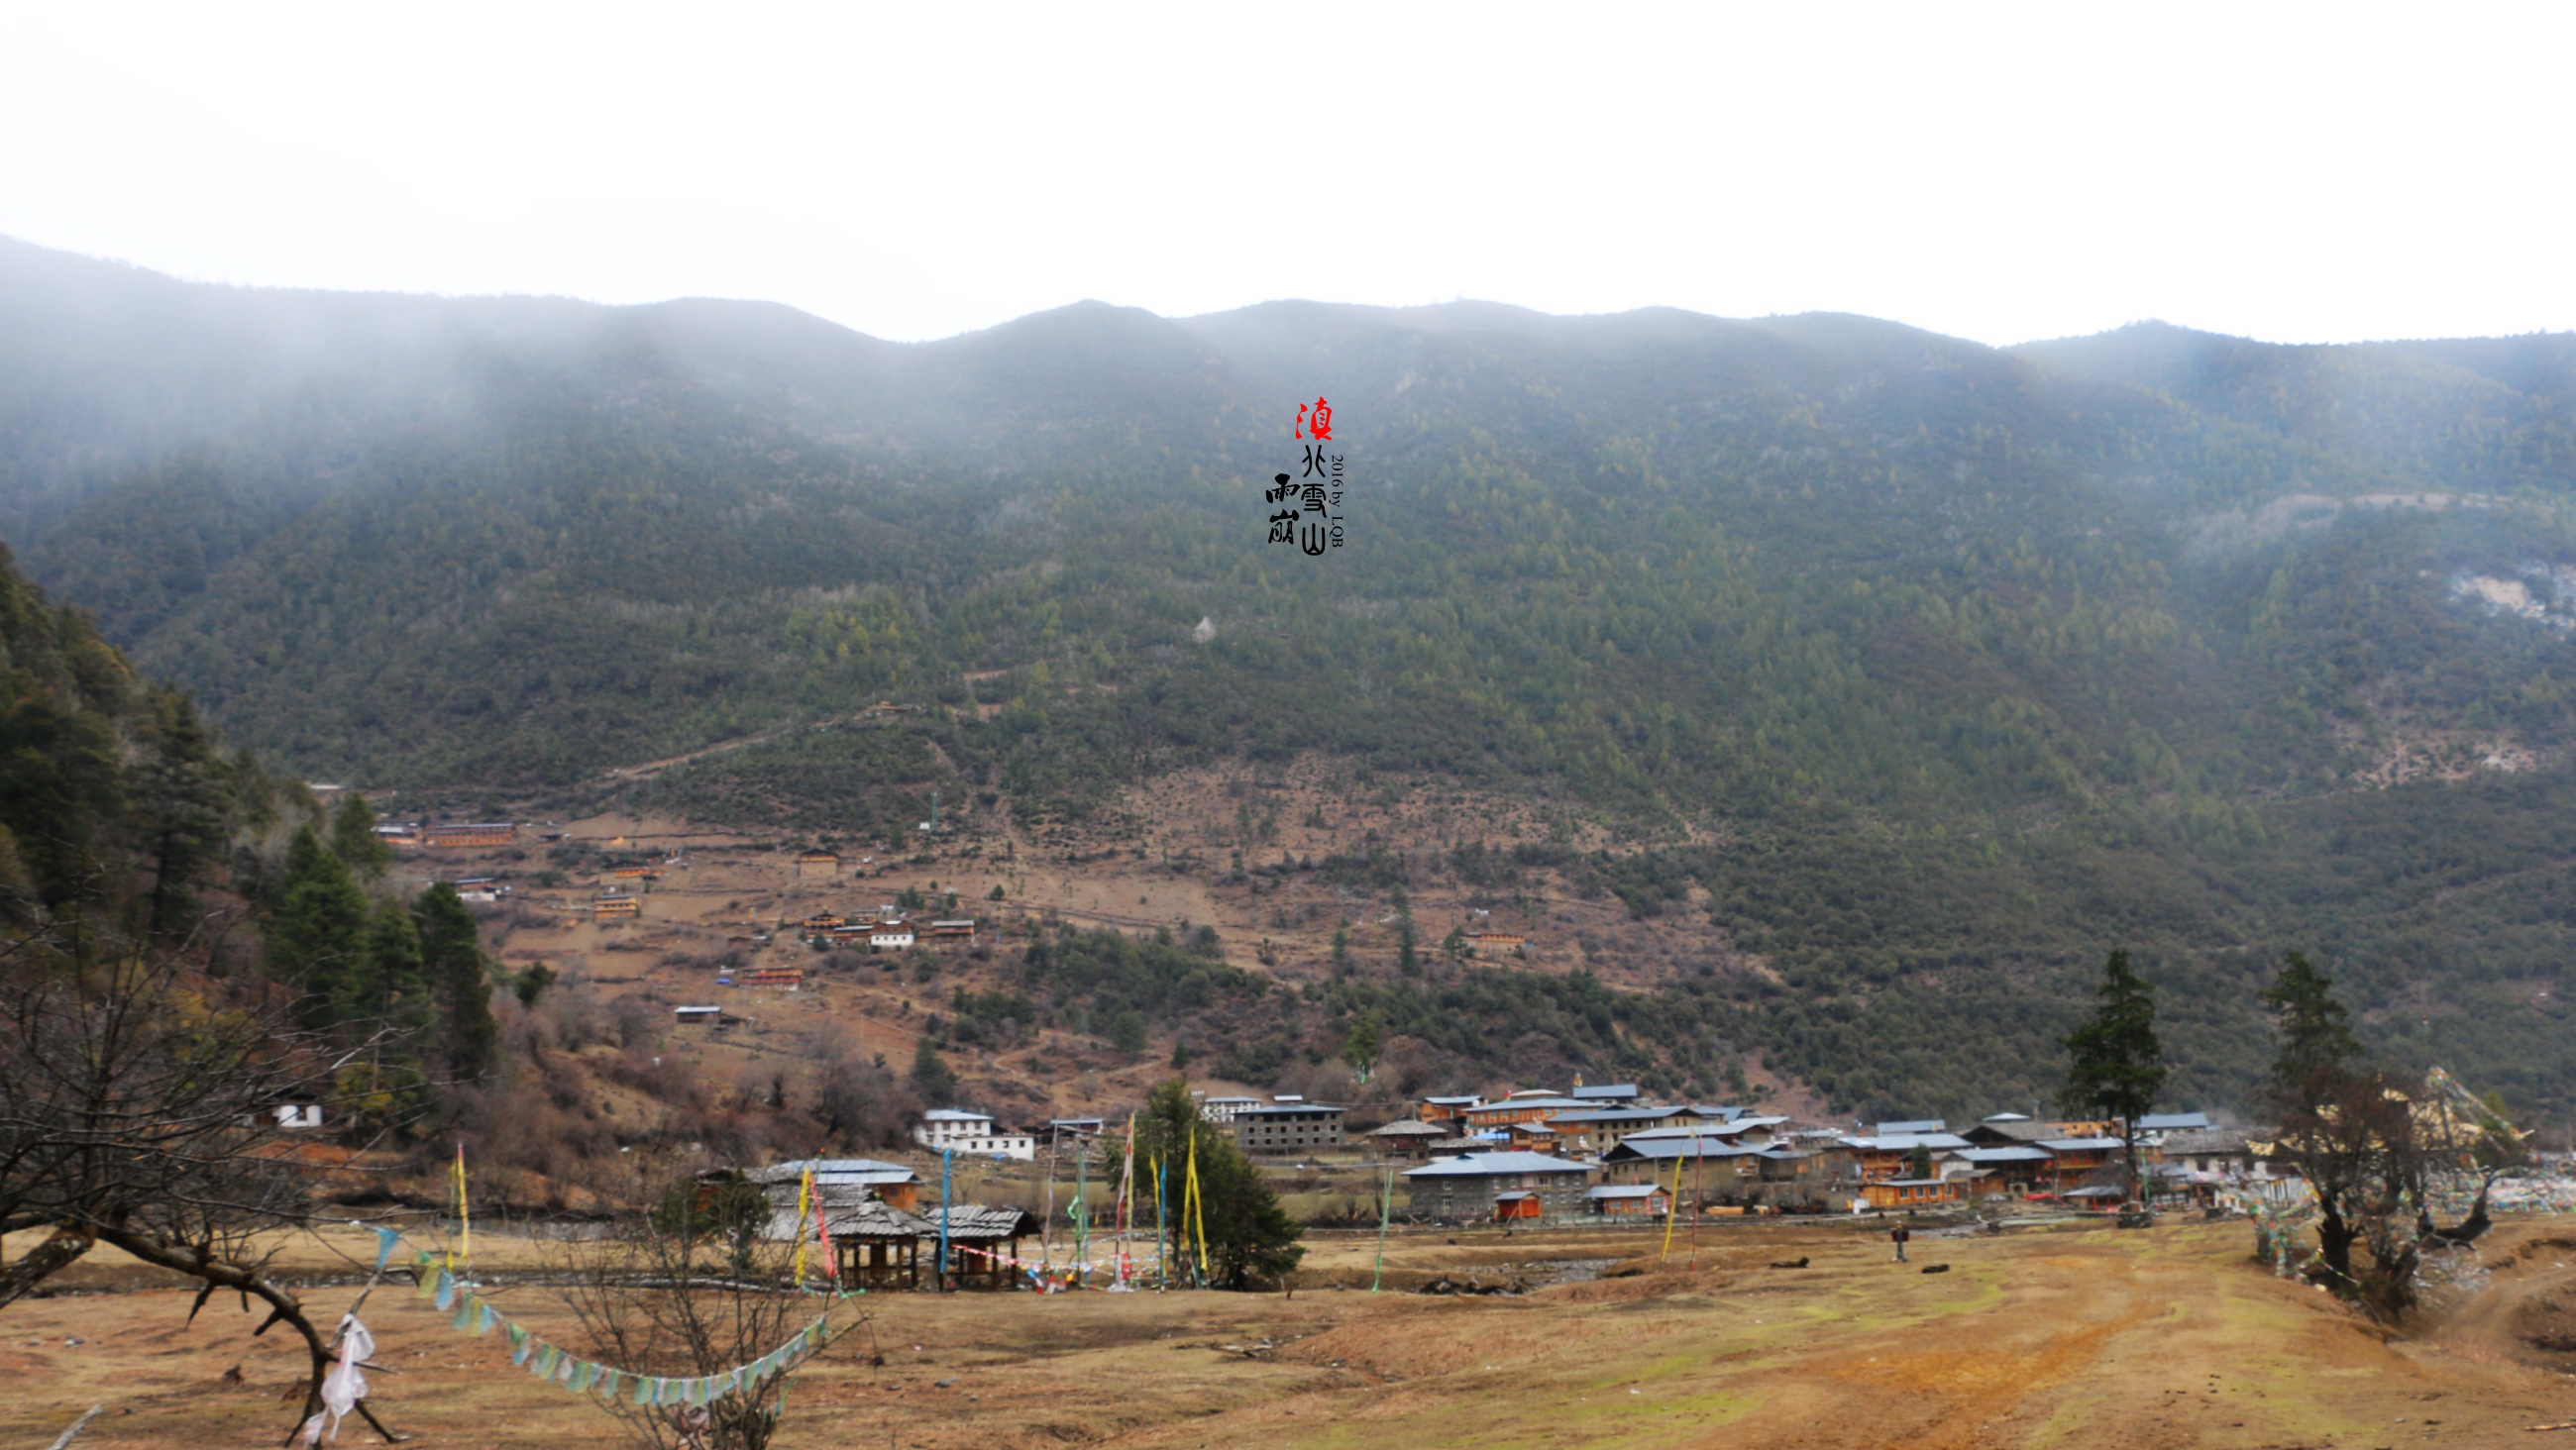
(2071, 1336)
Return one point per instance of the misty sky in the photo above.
(2297, 174)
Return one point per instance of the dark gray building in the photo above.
(1466, 1186)
(1287, 1128)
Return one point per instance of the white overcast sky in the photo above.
(2001, 173)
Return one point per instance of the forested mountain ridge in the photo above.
(1971, 661)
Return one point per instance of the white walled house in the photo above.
(955, 1130)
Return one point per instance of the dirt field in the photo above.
(2088, 1336)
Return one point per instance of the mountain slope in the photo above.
(1938, 668)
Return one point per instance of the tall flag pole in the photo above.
(1162, 1231)
(804, 1201)
(1081, 1211)
(1385, 1211)
(947, 1156)
(1672, 1206)
(464, 1212)
(1195, 1205)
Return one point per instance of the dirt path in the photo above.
(2090, 1337)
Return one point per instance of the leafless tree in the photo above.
(137, 1109)
(2353, 1134)
(690, 1288)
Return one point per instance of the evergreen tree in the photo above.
(354, 839)
(1127, 1031)
(451, 956)
(2115, 1067)
(932, 1079)
(317, 936)
(182, 797)
(1251, 1241)
(388, 988)
(1408, 959)
(1360, 1047)
(2311, 1033)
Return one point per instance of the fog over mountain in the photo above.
(1928, 670)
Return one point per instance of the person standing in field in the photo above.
(1898, 1235)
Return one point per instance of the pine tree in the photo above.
(388, 989)
(317, 936)
(451, 957)
(2115, 1067)
(354, 839)
(932, 1079)
(2311, 1033)
(1250, 1239)
(1360, 1047)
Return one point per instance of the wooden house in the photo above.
(1520, 1107)
(1628, 1200)
(963, 930)
(1914, 1192)
(1450, 1109)
(483, 833)
(790, 977)
(821, 922)
(604, 907)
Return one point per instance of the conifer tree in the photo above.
(1251, 1240)
(387, 989)
(354, 839)
(451, 956)
(2311, 1033)
(317, 936)
(932, 1080)
(2115, 1067)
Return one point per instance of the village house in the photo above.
(823, 921)
(482, 833)
(1493, 943)
(956, 1130)
(1223, 1109)
(1472, 1185)
(697, 1016)
(962, 929)
(791, 978)
(890, 939)
(1285, 1127)
(1406, 1138)
(1452, 1110)
(1628, 1200)
(602, 908)
(818, 866)
(2020, 1168)
(1608, 1094)
(894, 1183)
(1528, 1106)
(2005, 1130)
(2226, 1152)
(2073, 1160)
(1604, 1128)
(1887, 1155)
(1910, 1193)
(1537, 1137)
